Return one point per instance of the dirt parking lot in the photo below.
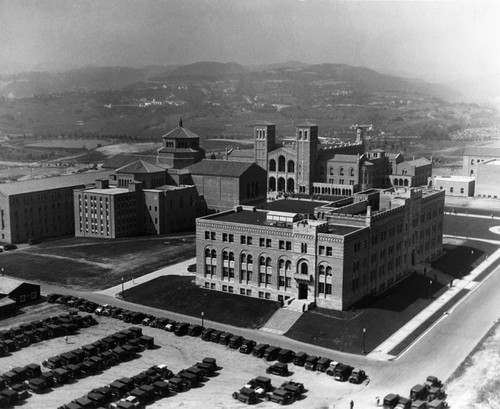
(177, 353)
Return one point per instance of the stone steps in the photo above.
(282, 321)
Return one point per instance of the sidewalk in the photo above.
(467, 283)
(174, 269)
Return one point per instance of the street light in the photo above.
(202, 315)
(364, 340)
(430, 289)
(123, 289)
(2, 271)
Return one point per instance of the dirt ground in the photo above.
(475, 384)
(177, 353)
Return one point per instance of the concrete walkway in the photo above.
(382, 351)
(180, 269)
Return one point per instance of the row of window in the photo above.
(248, 240)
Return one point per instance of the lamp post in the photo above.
(2, 271)
(430, 289)
(202, 315)
(123, 289)
(364, 341)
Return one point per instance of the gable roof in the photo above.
(56, 182)
(179, 132)
(306, 124)
(122, 159)
(418, 162)
(140, 166)
(7, 285)
(214, 167)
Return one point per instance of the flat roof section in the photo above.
(294, 206)
(243, 217)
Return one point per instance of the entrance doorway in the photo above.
(302, 291)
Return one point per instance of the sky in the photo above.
(441, 40)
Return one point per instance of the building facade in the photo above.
(333, 258)
(304, 166)
(454, 185)
(42, 208)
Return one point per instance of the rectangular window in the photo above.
(261, 294)
(224, 288)
(303, 247)
(249, 292)
(243, 240)
(328, 288)
(329, 251)
(212, 286)
(242, 291)
(224, 236)
(230, 288)
(262, 242)
(281, 244)
(268, 242)
(281, 281)
(231, 238)
(249, 240)
(321, 288)
(288, 245)
(207, 235)
(321, 250)
(207, 285)
(212, 235)
(268, 296)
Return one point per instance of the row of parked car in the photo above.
(21, 336)
(339, 371)
(145, 387)
(429, 395)
(261, 388)
(74, 365)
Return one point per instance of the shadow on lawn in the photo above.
(458, 261)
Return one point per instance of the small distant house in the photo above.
(19, 291)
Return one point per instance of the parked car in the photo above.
(419, 392)
(181, 329)
(246, 395)
(281, 396)
(206, 334)
(195, 330)
(271, 353)
(235, 342)
(247, 346)
(224, 338)
(261, 385)
(278, 368)
(342, 372)
(390, 401)
(323, 364)
(310, 363)
(259, 349)
(286, 356)
(403, 403)
(296, 388)
(357, 376)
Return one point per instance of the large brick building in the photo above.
(333, 254)
(40, 208)
(305, 166)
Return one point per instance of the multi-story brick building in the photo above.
(334, 256)
(40, 208)
(307, 167)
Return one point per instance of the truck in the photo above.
(323, 364)
(390, 401)
(247, 346)
(278, 368)
(300, 358)
(357, 376)
(419, 392)
(259, 349)
(281, 396)
(271, 353)
(310, 363)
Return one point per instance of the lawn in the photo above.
(180, 294)
(470, 227)
(458, 261)
(381, 317)
(91, 264)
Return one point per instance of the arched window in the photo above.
(272, 165)
(249, 259)
(281, 264)
(351, 171)
(300, 134)
(305, 135)
(207, 253)
(288, 265)
(281, 184)
(406, 182)
(214, 254)
(331, 170)
(290, 185)
(225, 255)
(272, 184)
(291, 166)
(341, 171)
(243, 258)
(281, 164)
(321, 270)
(304, 269)
(328, 271)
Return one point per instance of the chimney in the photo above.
(102, 184)
(135, 186)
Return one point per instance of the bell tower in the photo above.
(264, 134)
(306, 142)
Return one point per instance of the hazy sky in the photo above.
(436, 40)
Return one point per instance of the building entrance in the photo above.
(302, 291)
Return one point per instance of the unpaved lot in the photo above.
(177, 353)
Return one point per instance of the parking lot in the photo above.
(178, 353)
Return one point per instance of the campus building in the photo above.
(454, 185)
(305, 166)
(332, 254)
(40, 208)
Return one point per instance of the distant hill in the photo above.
(88, 78)
(208, 69)
(365, 79)
(276, 66)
